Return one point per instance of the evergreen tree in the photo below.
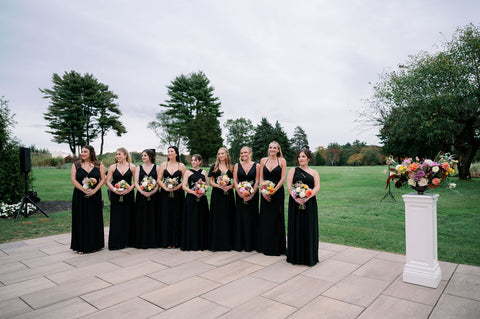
(12, 185)
(299, 139)
(264, 134)
(281, 137)
(78, 110)
(240, 133)
(193, 111)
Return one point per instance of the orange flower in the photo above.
(436, 181)
(445, 166)
(308, 192)
(413, 167)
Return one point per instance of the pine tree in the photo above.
(194, 112)
(79, 110)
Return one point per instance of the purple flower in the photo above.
(419, 175)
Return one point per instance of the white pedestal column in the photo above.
(421, 240)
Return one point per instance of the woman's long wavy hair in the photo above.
(228, 162)
(93, 157)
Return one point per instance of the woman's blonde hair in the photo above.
(125, 152)
(279, 153)
(228, 162)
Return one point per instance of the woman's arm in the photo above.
(109, 178)
(73, 173)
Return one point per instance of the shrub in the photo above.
(475, 170)
(12, 185)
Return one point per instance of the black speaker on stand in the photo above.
(28, 197)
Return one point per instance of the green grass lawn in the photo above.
(350, 212)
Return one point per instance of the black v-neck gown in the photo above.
(87, 216)
(171, 210)
(222, 215)
(121, 214)
(271, 223)
(246, 217)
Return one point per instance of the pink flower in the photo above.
(436, 181)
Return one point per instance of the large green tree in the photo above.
(432, 102)
(281, 137)
(80, 109)
(194, 112)
(299, 139)
(240, 133)
(261, 138)
(161, 128)
(12, 185)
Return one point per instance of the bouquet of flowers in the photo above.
(267, 187)
(425, 174)
(300, 190)
(121, 186)
(245, 188)
(89, 183)
(223, 180)
(200, 187)
(171, 182)
(148, 184)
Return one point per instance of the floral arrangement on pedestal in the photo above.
(422, 175)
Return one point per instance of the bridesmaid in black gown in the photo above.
(87, 206)
(146, 218)
(171, 200)
(222, 203)
(271, 224)
(302, 213)
(195, 212)
(121, 201)
(246, 223)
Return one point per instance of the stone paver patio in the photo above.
(43, 278)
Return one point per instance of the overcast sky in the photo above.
(306, 63)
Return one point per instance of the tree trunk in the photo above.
(465, 162)
(101, 143)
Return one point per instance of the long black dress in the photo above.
(171, 210)
(246, 221)
(121, 214)
(303, 225)
(271, 222)
(222, 215)
(87, 216)
(195, 218)
(146, 215)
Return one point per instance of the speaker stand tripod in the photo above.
(389, 193)
(27, 198)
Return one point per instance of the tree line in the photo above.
(430, 103)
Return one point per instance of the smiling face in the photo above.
(245, 154)
(302, 159)
(85, 154)
(221, 155)
(120, 157)
(273, 149)
(172, 155)
(145, 158)
(195, 162)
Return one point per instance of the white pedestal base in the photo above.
(421, 240)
